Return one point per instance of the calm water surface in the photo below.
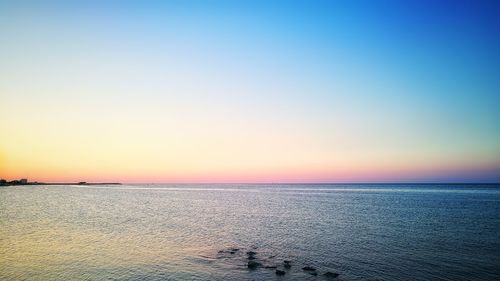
(175, 232)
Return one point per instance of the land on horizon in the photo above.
(4, 182)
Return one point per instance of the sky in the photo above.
(250, 91)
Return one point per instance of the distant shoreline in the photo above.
(76, 183)
(17, 183)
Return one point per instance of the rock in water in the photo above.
(287, 264)
(253, 264)
(280, 272)
(331, 274)
(251, 255)
(308, 268)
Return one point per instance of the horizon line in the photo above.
(269, 183)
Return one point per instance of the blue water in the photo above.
(185, 232)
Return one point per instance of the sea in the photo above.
(209, 231)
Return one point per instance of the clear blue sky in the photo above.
(251, 90)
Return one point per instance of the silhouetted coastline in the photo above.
(4, 182)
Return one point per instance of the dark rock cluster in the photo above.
(255, 261)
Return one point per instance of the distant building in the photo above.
(23, 181)
(3, 182)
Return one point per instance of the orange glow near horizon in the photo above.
(428, 173)
(113, 146)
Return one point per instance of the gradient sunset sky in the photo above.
(250, 91)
